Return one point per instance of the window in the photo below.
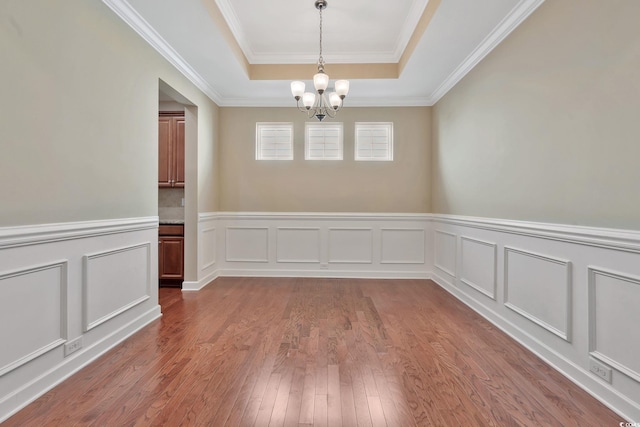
(374, 141)
(274, 141)
(323, 141)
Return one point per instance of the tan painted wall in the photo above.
(78, 117)
(547, 127)
(401, 186)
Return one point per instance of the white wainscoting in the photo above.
(322, 245)
(538, 287)
(478, 265)
(567, 293)
(36, 298)
(95, 281)
(114, 282)
(445, 252)
(614, 300)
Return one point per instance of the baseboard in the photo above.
(31, 391)
(342, 274)
(191, 286)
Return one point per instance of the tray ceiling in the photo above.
(396, 53)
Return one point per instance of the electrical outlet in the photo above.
(72, 346)
(182, 202)
(600, 369)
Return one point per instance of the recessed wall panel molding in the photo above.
(298, 244)
(351, 245)
(538, 287)
(479, 265)
(402, 246)
(207, 243)
(614, 320)
(445, 252)
(247, 244)
(114, 282)
(33, 313)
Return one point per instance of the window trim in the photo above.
(386, 125)
(311, 125)
(259, 143)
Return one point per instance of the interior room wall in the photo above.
(78, 120)
(400, 186)
(546, 127)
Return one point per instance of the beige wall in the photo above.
(78, 117)
(401, 186)
(547, 127)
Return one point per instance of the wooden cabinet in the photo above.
(171, 255)
(171, 150)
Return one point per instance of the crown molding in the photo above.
(225, 8)
(499, 33)
(129, 15)
(408, 28)
(350, 102)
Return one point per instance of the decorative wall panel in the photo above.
(115, 281)
(538, 287)
(298, 245)
(445, 252)
(351, 245)
(32, 313)
(403, 246)
(247, 244)
(614, 314)
(478, 265)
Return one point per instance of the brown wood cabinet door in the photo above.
(165, 157)
(179, 152)
(171, 258)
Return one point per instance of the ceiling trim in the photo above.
(305, 71)
(350, 102)
(495, 37)
(151, 36)
(414, 21)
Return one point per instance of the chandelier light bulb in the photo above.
(297, 89)
(342, 88)
(308, 99)
(320, 82)
(334, 100)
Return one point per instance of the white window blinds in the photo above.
(323, 141)
(374, 141)
(274, 141)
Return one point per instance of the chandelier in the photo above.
(317, 104)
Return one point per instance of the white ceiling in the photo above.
(458, 36)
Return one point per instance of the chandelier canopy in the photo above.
(316, 104)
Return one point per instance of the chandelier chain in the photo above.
(321, 59)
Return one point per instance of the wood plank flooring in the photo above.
(316, 352)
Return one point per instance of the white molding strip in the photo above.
(499, 33)
(25, 235)
(363, 216)
(618, 239)
(129, 15)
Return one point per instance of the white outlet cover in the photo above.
(600, 369)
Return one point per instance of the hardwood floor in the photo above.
(316, 352)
